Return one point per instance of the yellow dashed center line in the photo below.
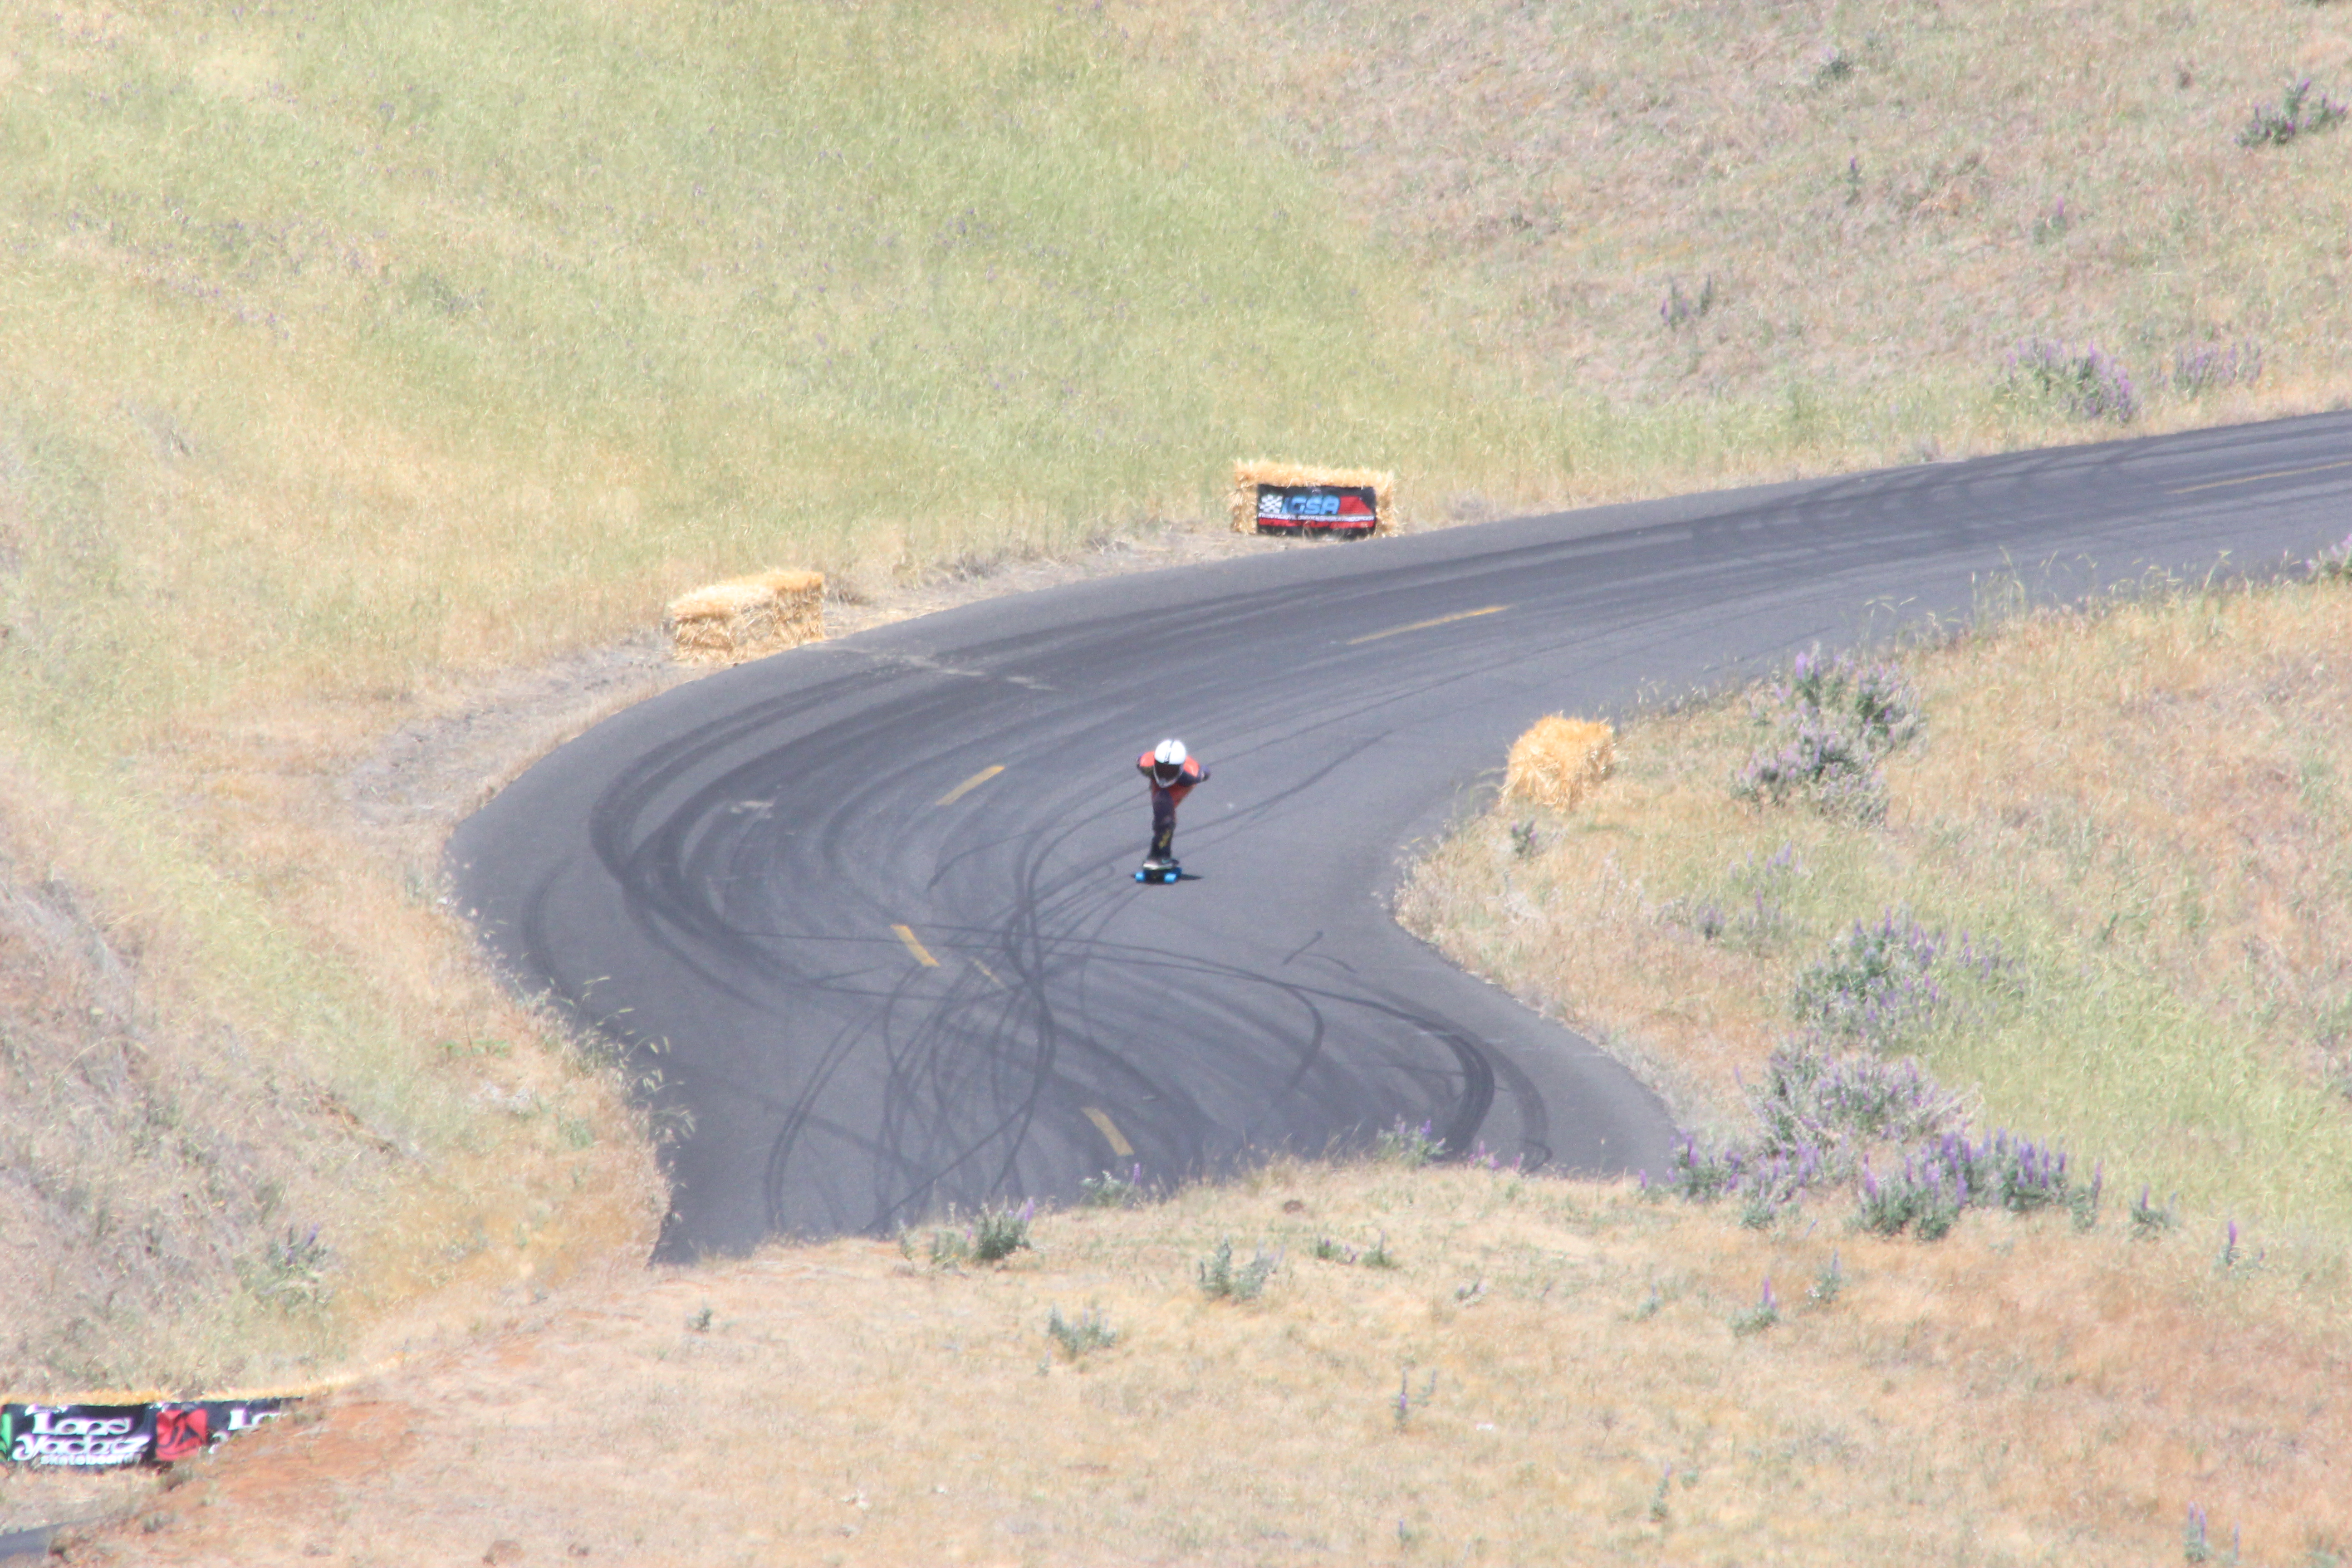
(991, 973)
(2257, 478)
(1424, 625)
(969, 785)
(1119, 1145)
(922, 954)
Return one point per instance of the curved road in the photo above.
(869, 906)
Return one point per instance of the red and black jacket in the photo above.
(1191, 774)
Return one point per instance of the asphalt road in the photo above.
(868, 904)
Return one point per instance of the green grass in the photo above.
(2133, 807)
(352, 346)
(645, 297)
(2083, 1040)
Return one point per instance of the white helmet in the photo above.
(1169, 753)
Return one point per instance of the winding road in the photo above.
(868, 905)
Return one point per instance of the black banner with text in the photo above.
(100, 1437)
(1317, 509)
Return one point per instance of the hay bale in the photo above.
(746, 617)
(1559, 761)
(1248, 476)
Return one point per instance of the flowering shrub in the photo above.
(1757, 1172)
(1922, 1199)
(1880, 984)
(1407, 1145)
(1759, 1317)
(1819, 1121)
(2207, 367)
(2296, 115)
(1813, 1116)
(1885, 707)
(1937, 1182)
(1110, 1191)
(1817, 756)
(1221, 1279)
(1811, 1102)
(2333, 564)
(1831, 723)
(2088, 386)
(1090, 1331)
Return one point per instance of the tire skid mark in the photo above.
(758, 855)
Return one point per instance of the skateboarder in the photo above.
(1171, 774)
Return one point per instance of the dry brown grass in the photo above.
(147, 1167)
(1559, 761)
(745, 617)
(1576, 1391)
(166, 1136)
(1878, 195)
(2146, 806)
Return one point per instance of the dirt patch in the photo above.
(1542, 1362)
(34, 1499)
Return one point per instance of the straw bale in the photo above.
(1248, 476)
(745, 617)
(1559, 761)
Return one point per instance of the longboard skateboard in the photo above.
(1163, 875)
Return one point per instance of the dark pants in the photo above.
(1163, 827)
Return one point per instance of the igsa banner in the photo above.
(1317, 509)
(98, 1436)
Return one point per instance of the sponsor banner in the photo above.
(100, 1437)
(95, 1436)
(1317, 509)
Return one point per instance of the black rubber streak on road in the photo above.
(713, 878)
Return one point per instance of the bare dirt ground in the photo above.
(1526, 1371)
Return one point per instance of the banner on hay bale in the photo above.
(105, 1436)
(1289, 499)
(1317, 509)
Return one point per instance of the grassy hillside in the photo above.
(467, 334)
(355, 354)
(2102, 897)
(1851, 214)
